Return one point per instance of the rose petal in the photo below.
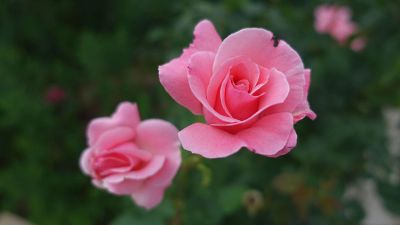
(303, 109)
(220, 104)
(199, 73)
(206, 37)
(165, 175)
(295, 96)
(160, 137)
(200, 65)
(157, 136)
(114, 137)
(220, 74)
(269, 134)
(240, 104)
(208, 141)
(259, 89)
(133, 151)
(276, 90)
(97, 183)
(246, 70)
(110, 163)
(292, 142)
(249, 41)
(126, 114)
(126, 187)
(84, 161)
(151, 168)
(173, 75)
(235, 88)
(148, 198)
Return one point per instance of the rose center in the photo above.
(242, 85)
(109, 164)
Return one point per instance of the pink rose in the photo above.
(336, 21)
(130, 157)
(250, 92)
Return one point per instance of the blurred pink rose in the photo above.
(55, 94)
(250, 92)
(358, 44)
(130, 157)
(336, 21)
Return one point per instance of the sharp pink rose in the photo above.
(250, 92)
(127, 156)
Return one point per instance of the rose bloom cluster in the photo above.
(336, 21)
(251, 89)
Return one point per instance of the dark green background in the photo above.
(102, 52)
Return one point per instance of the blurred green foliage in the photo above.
(102, 52)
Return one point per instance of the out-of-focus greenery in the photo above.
(102, 52)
